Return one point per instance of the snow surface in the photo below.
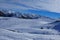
(26, 29)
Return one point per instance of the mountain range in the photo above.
(25, 26)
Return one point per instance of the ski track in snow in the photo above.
(26, 29)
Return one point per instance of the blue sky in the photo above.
(49, 8)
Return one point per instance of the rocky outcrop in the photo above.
(1, 13)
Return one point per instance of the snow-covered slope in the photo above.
(9, 35)
(7, 22)
(19, 26)
(12, 28)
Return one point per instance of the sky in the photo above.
(49, 8)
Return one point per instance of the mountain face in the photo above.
(1, 13)
(57, 25)
(9, 13)
(19, 15)
(51, 22)
(25, 26)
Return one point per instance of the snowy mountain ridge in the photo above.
(19, 26)
(11, 13)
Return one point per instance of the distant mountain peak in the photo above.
(12, 13)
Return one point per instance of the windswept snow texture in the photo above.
(12, 28)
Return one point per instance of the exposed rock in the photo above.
(1, 13)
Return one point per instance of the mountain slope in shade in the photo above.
(57, 25)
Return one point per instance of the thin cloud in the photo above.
(49, 5)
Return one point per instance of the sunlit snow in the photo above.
(26, 29)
